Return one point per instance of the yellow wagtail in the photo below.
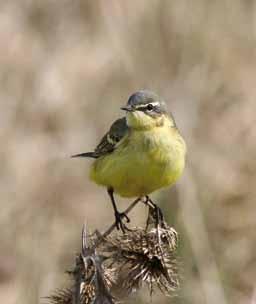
(142, 152)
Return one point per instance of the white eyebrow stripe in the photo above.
(155, 103)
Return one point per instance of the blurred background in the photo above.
(66, 67)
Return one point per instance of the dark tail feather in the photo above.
(86, 154)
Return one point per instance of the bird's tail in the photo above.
(86, 154)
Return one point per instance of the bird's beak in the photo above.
(127, 108)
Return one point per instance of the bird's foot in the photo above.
(155, 213)
(119, 221)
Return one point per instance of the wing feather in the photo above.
(109, 141)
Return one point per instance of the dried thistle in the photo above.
(140, 256)
(62, 296)
(145, 257)
(66, 296)
(91, 280)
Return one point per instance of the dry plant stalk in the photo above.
(136, 258)
(91, 282)
(141, 258)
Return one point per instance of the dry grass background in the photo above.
(65, 68)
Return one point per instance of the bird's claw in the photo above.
(156, 212)
(119, 221)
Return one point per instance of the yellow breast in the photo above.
(144, 161)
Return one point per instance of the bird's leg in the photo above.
(158, 214)
(155, 217)
(118, 215)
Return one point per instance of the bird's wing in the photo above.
(110, 140)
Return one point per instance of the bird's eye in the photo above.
(150, 107)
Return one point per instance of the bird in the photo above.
(142, 152)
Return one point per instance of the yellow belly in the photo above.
(142, 163)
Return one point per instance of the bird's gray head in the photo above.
(145, 110)
(146, 101)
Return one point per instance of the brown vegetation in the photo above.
(66, 68)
